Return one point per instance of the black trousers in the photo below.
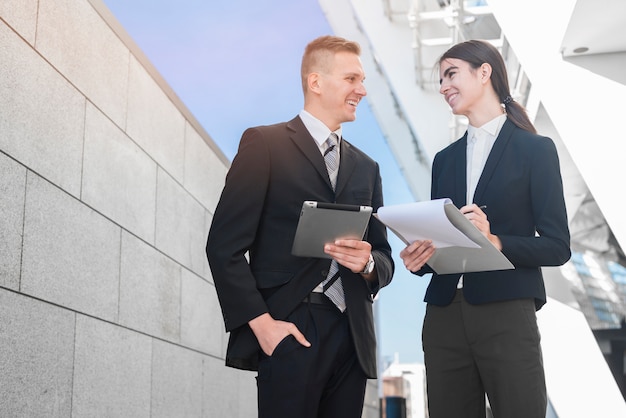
(475, 350)
(321, 381)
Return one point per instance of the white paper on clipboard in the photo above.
(460, 246)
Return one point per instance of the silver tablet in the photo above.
(321, 223)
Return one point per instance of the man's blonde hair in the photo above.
(319, 53)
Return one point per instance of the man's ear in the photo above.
(313, 82)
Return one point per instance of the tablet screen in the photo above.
(321, 223)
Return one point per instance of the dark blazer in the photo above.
(522, 189)
(276, 169)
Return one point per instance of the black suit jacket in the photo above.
(275, 170)
(522, 189)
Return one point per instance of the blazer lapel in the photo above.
(494, 157)
(303, 140)
(346, 166)
(460, 187)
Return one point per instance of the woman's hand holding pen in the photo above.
(476, 215)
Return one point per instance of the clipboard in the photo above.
(321, 223)
(486, 257)
(460, 246)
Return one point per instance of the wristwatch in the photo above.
(369, 266)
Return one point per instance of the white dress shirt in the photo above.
(479, 144)
(319, 131)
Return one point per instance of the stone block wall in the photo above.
(107, 188)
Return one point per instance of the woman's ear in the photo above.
(485, 72)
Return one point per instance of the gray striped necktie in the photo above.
(332, 286)
(331, 158)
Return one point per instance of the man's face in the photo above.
(342, 88)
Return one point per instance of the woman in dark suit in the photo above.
(480, 334)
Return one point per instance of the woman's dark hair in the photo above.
(476, 53)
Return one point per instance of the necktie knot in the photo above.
(331, 143)
(331, 158)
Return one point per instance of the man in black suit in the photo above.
(313, 358)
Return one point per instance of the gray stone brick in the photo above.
(159, 131)
(41, 114)
(111, 372)
(21, 15)
(204, 170)
(80, 45)
(176, 381)
(71, 253)
(180, 226)
(150, 287)
(119, 179)
(12, 190)
(247, 391)
(219, 399)
(202, 327)
(36, 355)
(204, 235)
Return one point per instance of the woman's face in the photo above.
(461, 85)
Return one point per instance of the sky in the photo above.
(236, 64)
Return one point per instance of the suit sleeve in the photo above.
(377, 237)
(426, 269)
(551, 245)
(233, 231)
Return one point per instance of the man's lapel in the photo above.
(303, 140)
(346, 166)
